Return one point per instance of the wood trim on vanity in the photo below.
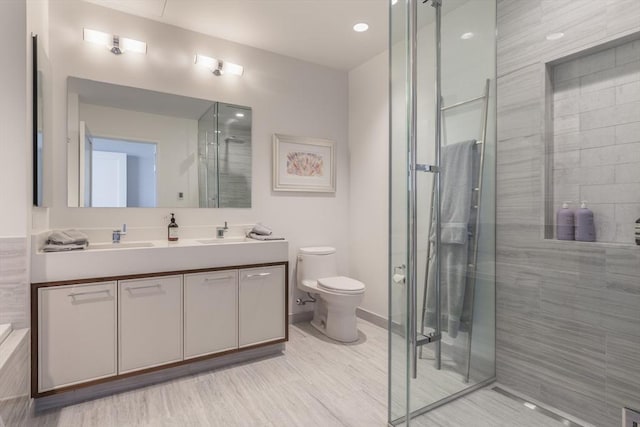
(157, 274)
(35, 326)
(35, 350)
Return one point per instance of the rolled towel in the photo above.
(263, 237)
(68, 237)
(261, 229)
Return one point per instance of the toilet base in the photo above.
(336, 320)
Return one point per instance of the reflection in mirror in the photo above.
(39, 62)
(224, 153)
(130, 147)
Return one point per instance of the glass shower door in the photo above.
(442, 245)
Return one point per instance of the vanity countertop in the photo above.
(153, 256)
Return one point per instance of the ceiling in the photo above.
(318, 31)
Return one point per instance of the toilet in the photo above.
(337, 297)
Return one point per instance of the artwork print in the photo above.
(305, 164)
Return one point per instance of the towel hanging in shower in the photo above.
(456, 196)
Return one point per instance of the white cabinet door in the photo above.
(210, 312)
(76, 334)
(150, 322)
(261, 305)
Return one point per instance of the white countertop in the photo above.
(162, 256)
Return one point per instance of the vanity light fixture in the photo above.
(239, 114)
(116, 44)
(219, 67)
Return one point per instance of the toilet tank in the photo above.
(316, 262)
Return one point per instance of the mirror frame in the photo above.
(35, 108)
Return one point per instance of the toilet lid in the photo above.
(341, 284)
(318, 250)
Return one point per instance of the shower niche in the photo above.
(592, 122)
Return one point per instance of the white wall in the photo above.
(15, 136)
(286, 95)
(177, 144)
(369, 180)
(15, 170)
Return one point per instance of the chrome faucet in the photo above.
(117, 234)
(221, 230)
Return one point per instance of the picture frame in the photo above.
(304, 164)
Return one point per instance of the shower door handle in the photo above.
(415, 339)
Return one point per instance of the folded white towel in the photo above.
(68, 237)
(263, 237)
(261, 229)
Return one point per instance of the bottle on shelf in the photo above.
(565, 223)
(172, 230)
(585, 225)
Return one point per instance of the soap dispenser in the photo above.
(172, 230)
(585, 226)
(565, 221)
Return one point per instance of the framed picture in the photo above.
(303, 164)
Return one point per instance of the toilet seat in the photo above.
(341, 284)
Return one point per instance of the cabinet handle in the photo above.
(249, 276)
(213, 279)
(157, 285)
(77, 294)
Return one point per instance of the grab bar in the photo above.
(417, 340)
(413, 197)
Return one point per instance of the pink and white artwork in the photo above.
(305, 164)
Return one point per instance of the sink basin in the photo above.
(102, 246)
(222, 241)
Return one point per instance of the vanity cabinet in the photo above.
(76, 334)
(97, 330)
(262, 302)
(149, 322)
(210, 313)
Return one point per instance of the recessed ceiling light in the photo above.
(467, 36)
(360, 27)
(239, 115)
(555, 36)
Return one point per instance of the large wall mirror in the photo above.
(131, 147)
(39, 63)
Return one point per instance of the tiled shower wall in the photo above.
(596, 138)
(568, 323)
(13, 281)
